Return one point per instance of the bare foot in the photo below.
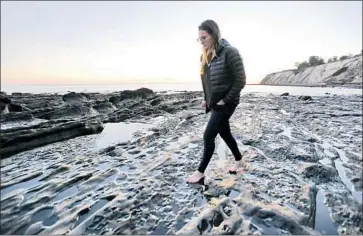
(195, 177)
(237, 165)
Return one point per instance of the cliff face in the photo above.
(346, 72)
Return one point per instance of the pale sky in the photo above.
(91, 42)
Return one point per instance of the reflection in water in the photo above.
(45, 216)
(114, 133)
(26, 184)
(124, 168)
(66, 193)
(104, 166)
(323, 222)
(161, 229)
(232, 194)
(111, 135)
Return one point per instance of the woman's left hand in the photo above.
(221, 102)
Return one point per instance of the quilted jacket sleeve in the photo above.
(235, 63)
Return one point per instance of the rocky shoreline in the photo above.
(71, 165)
(48, 118)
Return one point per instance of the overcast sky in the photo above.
(122, 41)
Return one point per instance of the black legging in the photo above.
(219, 124)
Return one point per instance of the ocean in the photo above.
(62, 89)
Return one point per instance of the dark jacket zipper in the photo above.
(209, 85)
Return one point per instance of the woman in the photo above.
(223, 78)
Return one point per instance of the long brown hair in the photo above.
(211, 27)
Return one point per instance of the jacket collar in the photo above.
(220, 46)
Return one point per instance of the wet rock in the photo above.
(34, 229)
(18, 94)
(4, 101)
(104, 107)
(60, 169)
(312, 140)
(75, 106)
(147, 193)
(107, 150)
(16, 117)
(15, 108)
(156, 101)
(39, 102)
(305, 98)
(70, 111)
(304, 157)
(312, 193)
(250, 142)
(141, 93)
(284, 94)
(353, 157)
(28, 176)
(191, 116)
(358, 183)
(12, 144)
(167, 108)
(146, 111)
(119, 115)
(215, 192)
(75, 98)
(320, 173)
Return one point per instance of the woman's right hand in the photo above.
(204, 105)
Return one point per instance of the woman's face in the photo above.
(205, 39)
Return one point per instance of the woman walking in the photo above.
(223, 78)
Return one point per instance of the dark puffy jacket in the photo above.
(225, 77)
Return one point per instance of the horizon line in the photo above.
(96, 84)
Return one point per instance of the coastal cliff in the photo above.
(347, 73)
